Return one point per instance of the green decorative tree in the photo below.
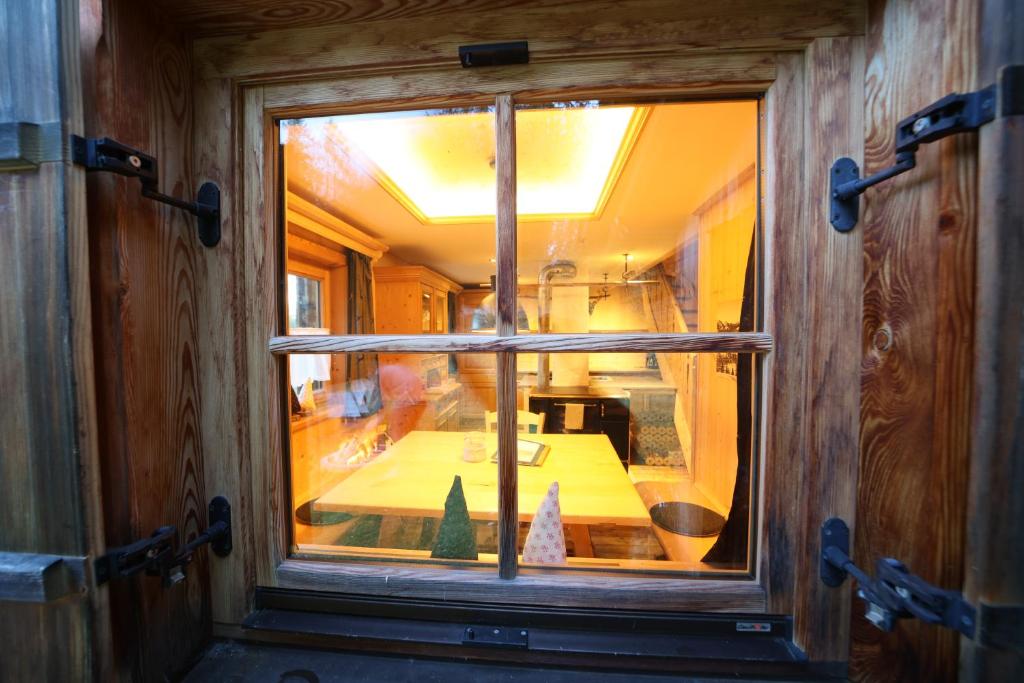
(456, 540)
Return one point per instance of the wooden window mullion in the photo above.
(506, 285)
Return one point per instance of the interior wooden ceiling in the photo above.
(203, 18)
(686, 155)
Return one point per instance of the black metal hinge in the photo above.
(158, 555)
(955, 113)
(894, 593)
(104, 154)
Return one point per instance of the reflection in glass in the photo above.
(632, 218)
(652, 464)
(638, 196)
(648, 469)
(383, 483)
(304, 302)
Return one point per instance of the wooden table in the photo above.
(414, 476)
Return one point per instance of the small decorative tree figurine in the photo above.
(456, 539)
(545, 543)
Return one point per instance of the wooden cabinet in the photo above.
(411, 300)
(417, 389)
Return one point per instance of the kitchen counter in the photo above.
(603, 386)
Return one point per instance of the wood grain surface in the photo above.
(506, 292)
(834, 90)
(744, 73)
(919, 245)
(531, 587)
(413, 477)
(247, 16)
(222, 362)
(146, 288)
(785, 370)
(995, 507)
(556, 31)
(744, 342)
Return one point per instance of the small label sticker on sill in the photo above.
(753, 626)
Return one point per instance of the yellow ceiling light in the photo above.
(441, 167)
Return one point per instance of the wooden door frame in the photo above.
(813, 108)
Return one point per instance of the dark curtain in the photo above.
(362, 389)
(731, 546)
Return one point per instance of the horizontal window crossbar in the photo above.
(734, 342)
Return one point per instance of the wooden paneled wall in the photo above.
(919, 231)
(146, 289)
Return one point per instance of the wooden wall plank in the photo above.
(571, 589)
(919, 240)
(146, 289)
(995, 507)
(785, 370)
(591, 29)
(832, 128)
(732, 74)
(247, 16)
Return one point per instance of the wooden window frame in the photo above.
(810, 399)
(506, 344)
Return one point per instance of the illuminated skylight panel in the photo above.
(567, 158)
(440, 166)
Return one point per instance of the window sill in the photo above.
(531, 587)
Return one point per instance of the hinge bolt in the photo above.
(135, 161)
(921, 124)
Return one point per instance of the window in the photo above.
(305, 297)
(633, 227)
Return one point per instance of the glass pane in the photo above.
(304, 309)
(616, 200)
(375, 456)
(398, 208)
(650, 461)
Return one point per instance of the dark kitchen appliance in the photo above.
(602, 414)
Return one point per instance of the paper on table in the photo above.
(574, 416)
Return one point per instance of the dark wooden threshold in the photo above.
(733, 645)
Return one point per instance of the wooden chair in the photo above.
(526, 422)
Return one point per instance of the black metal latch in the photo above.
(157, 556)
(104, 154)
(955, 113)
(894, 593)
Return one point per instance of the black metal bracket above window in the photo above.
(955, 113)
(158, 555)
(494, 54)
(894, 593)
(104, 154)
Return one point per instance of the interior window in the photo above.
(632, 218)
(304, 302)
